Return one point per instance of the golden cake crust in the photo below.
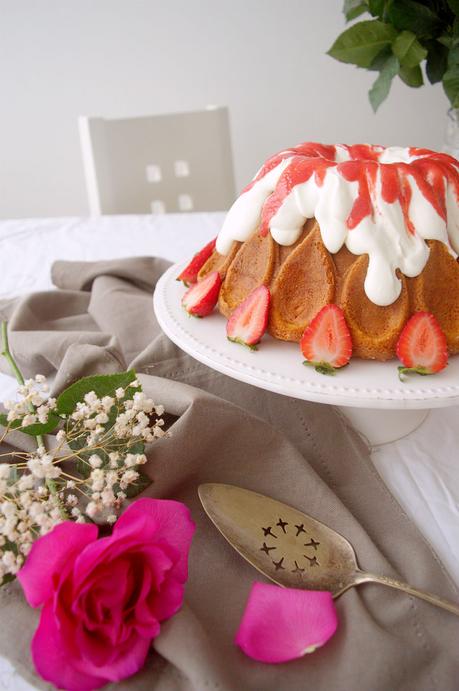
(305, 277)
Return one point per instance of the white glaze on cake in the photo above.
(384, 202)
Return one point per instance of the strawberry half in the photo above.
(202, 297)
(189, 274)
(326, 343)
(249, 320)
(422, 346)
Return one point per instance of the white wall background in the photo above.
(265, 59)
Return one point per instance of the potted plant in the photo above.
(402, 38)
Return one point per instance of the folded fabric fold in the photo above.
(101, 320)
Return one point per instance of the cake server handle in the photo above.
(363, 577)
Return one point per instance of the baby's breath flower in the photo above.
(31, 506)
(29, 420)
(91, 398)
(61, 436)
(107, 403)
(95, 461)
(5, 470)
(91, 509)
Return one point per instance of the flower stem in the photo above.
(6, 352)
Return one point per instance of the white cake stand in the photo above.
(370, 394)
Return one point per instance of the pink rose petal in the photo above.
(281, 624)
(48, 557)
(52, 660)
(172, 523)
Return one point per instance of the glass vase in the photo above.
(451, 141)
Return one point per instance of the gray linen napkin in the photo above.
(101, 320)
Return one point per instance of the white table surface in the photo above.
(421, 470)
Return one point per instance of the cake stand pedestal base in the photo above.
(381, 426)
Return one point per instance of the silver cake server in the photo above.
(290, 547)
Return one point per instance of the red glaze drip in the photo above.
(364, 152)
(363, 172)
(430, 170)
(299, 171)
(309, 149)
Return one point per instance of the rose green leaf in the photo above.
(36, 429)
(102, 385)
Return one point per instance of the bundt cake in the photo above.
(372, 230)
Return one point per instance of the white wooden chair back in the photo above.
(159, 163)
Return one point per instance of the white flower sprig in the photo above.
(94, 464)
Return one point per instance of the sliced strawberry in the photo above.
(201, 298)
(189, 274)
(326, 343)
(422, 346)
(249, 320)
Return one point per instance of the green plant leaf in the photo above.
(437, 61)
(451, 85)
(408, 50)
(380, 89)
(381, 59)
(35, 429)
(453, 54)
(102, 385)
(412, 76)
(413, 16)
(445, 40)
(362, 42)
(354, 8)
(7, 579)
(454, 6)
(377, 7)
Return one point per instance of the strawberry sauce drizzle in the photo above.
(300, 170)
(431, 172)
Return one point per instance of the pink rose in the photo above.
(103, 600)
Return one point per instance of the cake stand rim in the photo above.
(170, 314)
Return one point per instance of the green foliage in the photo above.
(34, 430)
(381, 87)
(412, 76)
(354, 8)
(401, 37)
(408, 50)
(361, 43)
(451, 85)
(102, 385)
